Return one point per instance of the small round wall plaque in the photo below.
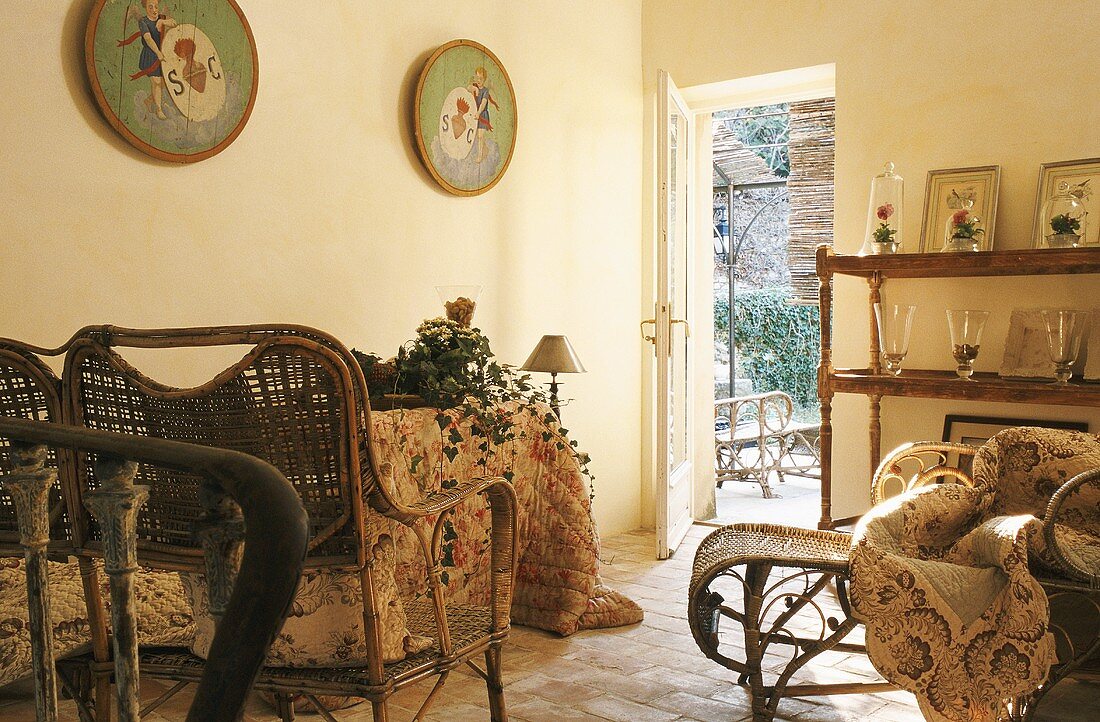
(465, 117)
(176, 79)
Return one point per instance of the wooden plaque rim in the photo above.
(116, 122)
(422, 148)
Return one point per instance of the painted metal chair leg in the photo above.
(115, 505)
(30, 487)
(284, 707)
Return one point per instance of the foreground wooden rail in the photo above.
(275, 536)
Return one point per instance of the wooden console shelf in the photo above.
(924, 383)
(948, 265)
(928, 384)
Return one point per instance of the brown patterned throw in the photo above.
(952, 611)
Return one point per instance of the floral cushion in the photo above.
(163, 614)
(325, 625)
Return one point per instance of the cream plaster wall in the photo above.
(928, 84)
(320, 213)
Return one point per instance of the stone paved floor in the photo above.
(651, 672)
(799, 502)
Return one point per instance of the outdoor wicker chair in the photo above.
(298, 400)
(769, 579)
(757, 435)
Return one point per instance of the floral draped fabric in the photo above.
(941, 575)
(558, 584)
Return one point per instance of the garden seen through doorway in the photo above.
(766, 333)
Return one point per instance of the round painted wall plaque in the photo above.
(465, 117)
(176, 78)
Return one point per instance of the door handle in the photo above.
(687, 326)
(641, 327)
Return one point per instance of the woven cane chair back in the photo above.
(29, 390)
(289, 401)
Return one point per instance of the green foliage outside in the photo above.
(777, 343)
(767, 130)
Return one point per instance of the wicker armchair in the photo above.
(783, 575)
(275, 528)
(298, 400)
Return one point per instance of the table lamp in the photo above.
(554, 355)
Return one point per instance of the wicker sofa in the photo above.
(298, 400)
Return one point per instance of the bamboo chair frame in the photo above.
(809, 562)
(339, 543)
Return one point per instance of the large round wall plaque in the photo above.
(465, 117)
(177, 79)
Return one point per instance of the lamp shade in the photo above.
(554, 354)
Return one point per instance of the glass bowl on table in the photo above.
(459, 302)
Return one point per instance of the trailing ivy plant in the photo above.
(452, 367)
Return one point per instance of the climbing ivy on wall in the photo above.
(777, 343)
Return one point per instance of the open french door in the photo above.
(674, 394)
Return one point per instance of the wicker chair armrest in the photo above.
(1050, 518)
(447, 499)
(920, 453)
(502, 510)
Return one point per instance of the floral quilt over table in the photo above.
(558, 584)
(941, 577)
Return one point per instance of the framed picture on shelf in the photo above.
(976, 430)
(949, 192)
(1083, 180)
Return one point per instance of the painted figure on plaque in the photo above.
(179, 81)
(152, 24)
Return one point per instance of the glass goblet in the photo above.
(966, 338)
(895, 323)
(1064, 330)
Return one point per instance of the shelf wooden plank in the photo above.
(1033, 262)
(930, 384)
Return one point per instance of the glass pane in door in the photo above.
(678, 209)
